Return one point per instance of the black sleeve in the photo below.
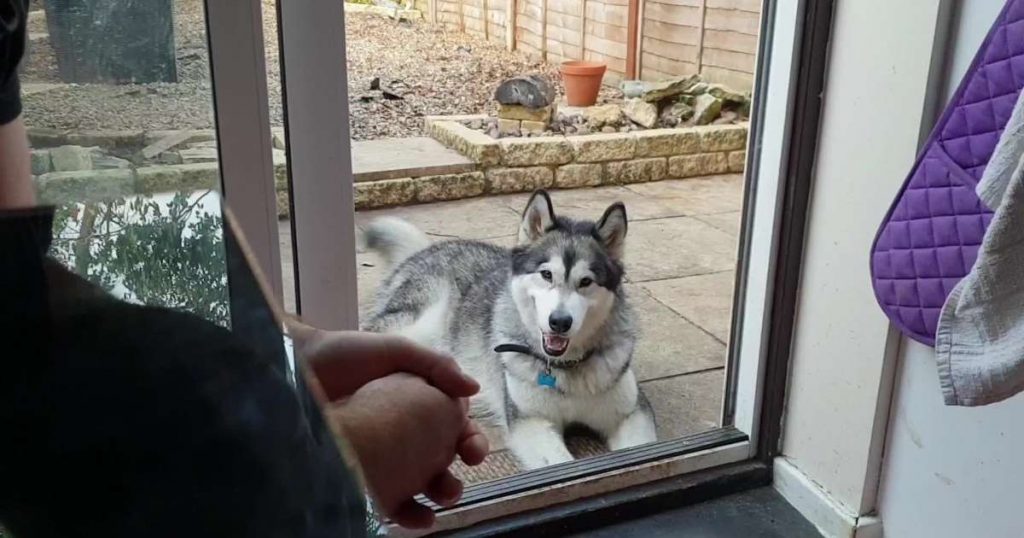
(13, 14)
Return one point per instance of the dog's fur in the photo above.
(562, 280)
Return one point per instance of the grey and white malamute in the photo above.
(544, 326)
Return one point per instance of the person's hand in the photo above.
(344, 361)
(406, 433)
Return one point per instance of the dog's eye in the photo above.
(585, 281)
(546, 275)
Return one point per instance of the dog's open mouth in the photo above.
(555, 345)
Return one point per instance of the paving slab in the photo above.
(477, 218)
(686, 404)
(704, 300)
(668, 345)
(676, 247)
(591, 203)
(727, 222)
(697, 196)
(392, 158)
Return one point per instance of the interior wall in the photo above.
(837, 399)
(952, 472)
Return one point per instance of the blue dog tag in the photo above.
(545, 379)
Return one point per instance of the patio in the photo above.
(680, 260)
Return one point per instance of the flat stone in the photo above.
(706, 108)
(675, 114)
(478, 218)
(704, 300)
(200, 175)
(723, 137)
(394, 158)
(449, 187)
(603, 147)
(527, 179)
(535, 127)
(41, 163)
(636, 171)
(571, 176)
(84, 185)
(668, 345)
(737, 161)
(522, 113)
(477, 146)
(384, 193)
(727, 95)
(509, 127)
(701, 164)
(677, 247)
(166, 143)
(666, 142)
(44, 137)
(198, 155)
(641, 112)
(123, 139)
(169, 157)
(601, 115)
(150, 179)
(102, 161)
(532, 91)
(698, 196)
(727, 222)
(194, 135)
(658, 91)
(71, 158)
(687, 404)
(536, 151)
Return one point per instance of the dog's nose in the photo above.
(560, 322)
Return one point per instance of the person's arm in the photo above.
(16, 188)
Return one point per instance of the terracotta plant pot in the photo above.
(582, 81)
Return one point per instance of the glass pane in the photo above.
(118, 105)
(447, 138)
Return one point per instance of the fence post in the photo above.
(632, 38)
(510, 25)
(544, 30)
(583, 29)
(700, 35)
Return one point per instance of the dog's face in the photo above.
(567, 273)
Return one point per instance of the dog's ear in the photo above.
(538, 217)
(611, 229)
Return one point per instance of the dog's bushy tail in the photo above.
(395, 239)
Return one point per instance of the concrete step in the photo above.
(392, 158)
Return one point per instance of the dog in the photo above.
(545, 327)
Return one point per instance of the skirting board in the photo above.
(832, 518)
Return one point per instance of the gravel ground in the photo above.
(440, 73)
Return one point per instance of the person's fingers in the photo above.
(473, 445)
(343, 362)
(413, 515)
(444, 489)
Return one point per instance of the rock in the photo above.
(509, 127)
(698, 89)
(277, 138)
(658, 91)
(493, 132)
(71, 158)
(476, 125)
(40, 162)
(727, 95)
(169, 157)
(706, 108)
(625, 128)
(84, 185)
(609, 129)
(532, 91)
(601, 115)
(675, 114)
(641, 112)
(199, 155)
(102, 161)
(727, 117)
(534, 127)
(524, 113)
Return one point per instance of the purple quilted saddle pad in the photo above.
(931, 235)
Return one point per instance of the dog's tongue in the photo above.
(555, 343)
